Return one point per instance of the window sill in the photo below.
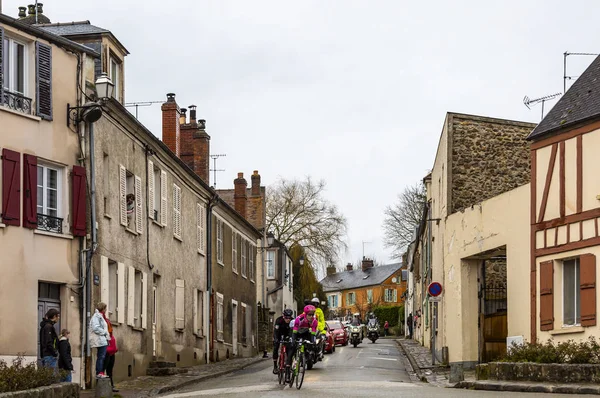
(156, 222)
(131, 231)
(567, 330)
(55, 235)
(244, 276)
(201, 253)
(199, 336)
(137, 329)
(179, 330)
(221, 263)
(17, 113)
(107, 216)
(235, 272)
(178, 238)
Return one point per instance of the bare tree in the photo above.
(297, 212)
(401, 218)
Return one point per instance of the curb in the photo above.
(529, 387)
(413, 364)
(199, 379)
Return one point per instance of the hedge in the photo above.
(389, 313)
(21, 376)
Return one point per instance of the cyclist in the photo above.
(305, 328)
(320, 326)
(281, 329)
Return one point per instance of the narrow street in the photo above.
(370, 370)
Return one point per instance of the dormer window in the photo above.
(115, 76)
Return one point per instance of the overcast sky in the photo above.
(352, 92)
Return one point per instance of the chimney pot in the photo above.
(171, 97)
(182, 116)
(31, 9)
(40, 8)
(349, 267)
(202, 124)
(192, 113)
(22, 12)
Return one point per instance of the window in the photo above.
(179, 304)
(271, 264)
(244, 325)
(332, 301)
(112, 288)
(244, 258)
(390, 295)
(219, 317)
(234, 252)
(48, 191)
(113, 300)
(251, 256)
(404, 275)
(130, 187)
(177, 211)
(249, 324)
(370, 296)
(115, 73)
(350, 298)
(106, 183)
(200, 228)
(14, 65)
(157, 194)
(571, 297)
(198, 310)
(138, 299)
(220, 241)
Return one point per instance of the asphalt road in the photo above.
(370, 370)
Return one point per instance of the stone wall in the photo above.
(63, 390)
(540, 372)
(489, 157)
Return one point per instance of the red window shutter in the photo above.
(547, 295)
(30, 193)
(587, 289)
(11, 187)
(79, 201)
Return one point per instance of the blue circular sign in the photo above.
(434, 289)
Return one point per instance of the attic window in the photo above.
(338, 281)
(365, 277)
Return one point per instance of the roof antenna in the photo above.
(565, 76)
(528, 101)
(214, 158)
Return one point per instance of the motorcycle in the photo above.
(355, 338)
(311, 354)
(373, 333)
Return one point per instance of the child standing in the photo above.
(65, 362)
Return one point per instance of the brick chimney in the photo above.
(170, 124)
(331, 270)
(255, 183)
(240, 198)
(186, 139)
(366, 263)
(201, 144)
(349, 267)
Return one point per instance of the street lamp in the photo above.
(91, 111)
(270, 239)
(301, 260)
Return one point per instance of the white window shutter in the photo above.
(196, 320)
(203, 224)
(144, 300)
(151, 204)
(163, 198)
(123, 194)
(121, 293)
(176, 211)
(199, 227)
(139, 226)
(179, 304)
(395, 296)
(104, 280)
(131, 296)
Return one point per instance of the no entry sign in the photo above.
(434, 289)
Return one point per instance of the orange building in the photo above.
(361, 290)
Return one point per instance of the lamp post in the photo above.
(89, 113)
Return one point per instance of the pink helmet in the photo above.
(309, 308)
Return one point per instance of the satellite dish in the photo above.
(394, 280)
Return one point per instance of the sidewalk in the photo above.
(148, 386)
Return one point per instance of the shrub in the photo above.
(22, 376)
(388, 313)
(585, 352)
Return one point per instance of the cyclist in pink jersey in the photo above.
(305, 328)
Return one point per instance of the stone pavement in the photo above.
(148, 386)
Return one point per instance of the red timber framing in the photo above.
(550, 228)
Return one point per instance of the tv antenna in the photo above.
(214, 158)
(138, 104)
(565, 76)
(363, 245)
(527, 101)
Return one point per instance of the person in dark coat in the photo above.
(65, 361)
(49, 339)
(409, 323)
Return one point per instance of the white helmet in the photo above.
(315, 300)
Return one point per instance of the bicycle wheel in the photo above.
(294, 369)
(301, 371)
(281, 365)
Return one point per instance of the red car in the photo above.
(329, 342)
(339, 332)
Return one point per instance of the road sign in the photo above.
(434, 289)
(435, 299)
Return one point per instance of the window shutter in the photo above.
(104, 281)
(547, 295)
(123, 194)
(395, 296)
(163, 198)
(121, 293)
(11, 187)
(144, 300)
(199, 231)
(587, 289)
(179, 304)
(1, 65)
(79, 201)
(151, 205)
(131, 296)
(176, 211)
(43, 80)
(30, 193)
(196, 320)
(138, 205)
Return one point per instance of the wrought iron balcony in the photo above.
(49, 223)
(16, 102)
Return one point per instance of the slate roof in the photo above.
(580, 103)
(73, 28)
(356, 278)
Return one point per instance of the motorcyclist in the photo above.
(373, 321)
(280, 330)
(356, 322)
(320, 326)
(305, 328)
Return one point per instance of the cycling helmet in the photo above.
(288, 313)
(315, 301)
(309, 308)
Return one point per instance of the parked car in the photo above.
(339, 332)
(329, 341)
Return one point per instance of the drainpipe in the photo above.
(209, 338)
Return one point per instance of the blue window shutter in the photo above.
(1, 65)
(43, 80)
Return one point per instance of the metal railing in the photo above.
(49, 223)
(16, 102)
